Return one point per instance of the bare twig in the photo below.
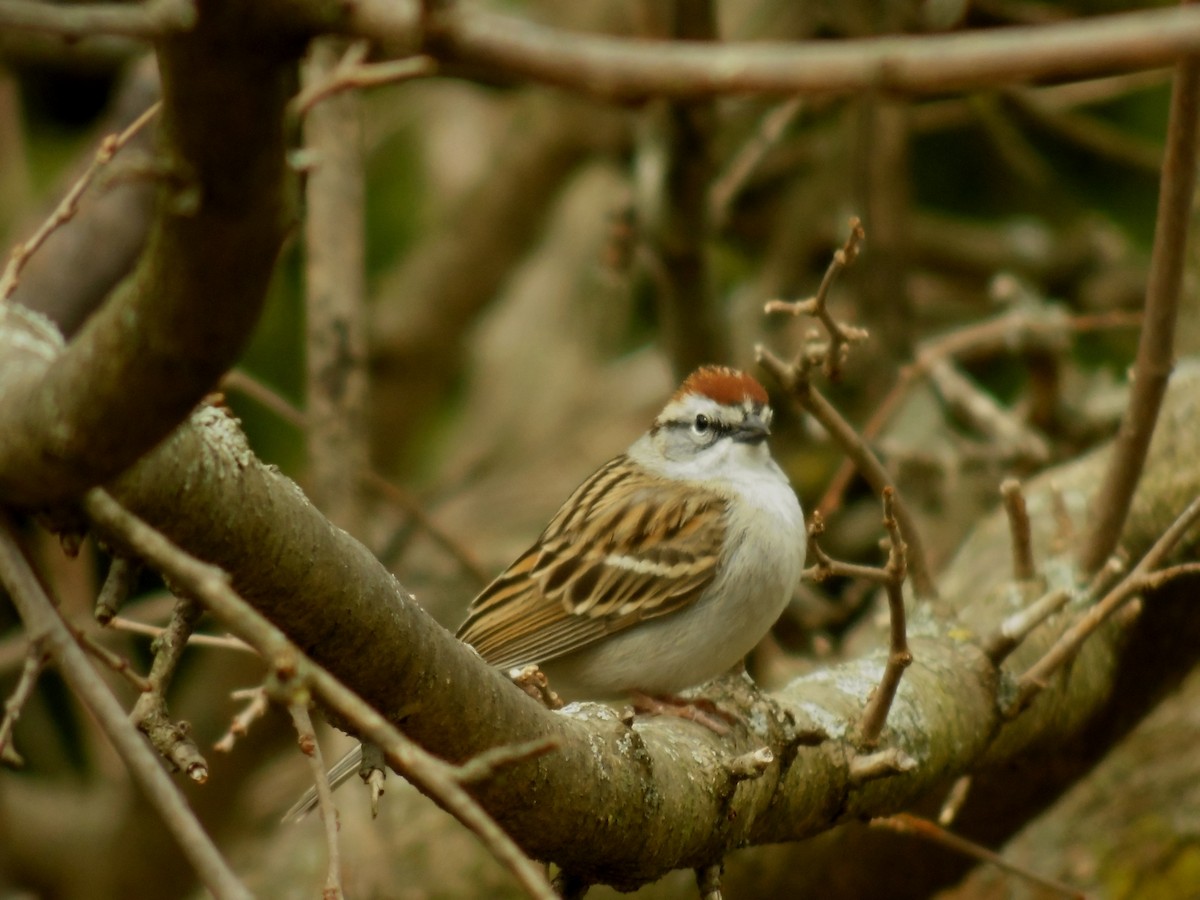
(211, 586)
(841, 336)
(1091, 133)
(1018, 331)
(35, 661)
(352, 73)
(144, 21)
(311, 748)
(725, 188)
(172, 739)
(1018, 529)
(244, 383)
(904, 823)
(1106, 577)
(1156, 346)
(67, 206)
(795, 378)
(875, 714)
(44, 625)
(114, 661)
(1142, 578)
(485, 765)
(257, 703)
(810, 399)
(881, 764)
(1010, 438)
(220, 642)
(827, 567)
(1064, 525)
(748, 766)
(118, 584)
(1017, 627)
(954, 801)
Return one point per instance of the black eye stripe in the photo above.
(714, 427)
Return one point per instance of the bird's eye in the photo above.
(701, 423)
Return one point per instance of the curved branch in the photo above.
(144, 360)
(621, 69)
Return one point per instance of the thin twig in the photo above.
(114, 661)
(355, 74)
(1142, 578)
(827, 567)
(875, 714)
(729, 183)
(1019, 529)
(810, 399)
(1015, 332)
(67, 206)
(265, 396)
(172, 739)
(1156, 346)
(44, 625)
(35, 661)
(881, 764)
(211, 585)
(257, 704)
(1017, 627)
(954, 801)
(749, 766)
(118, 585)
(220, 642)
(485, 765)
(904, 823)
(311, 748)
(841, 336)
(1009, 438)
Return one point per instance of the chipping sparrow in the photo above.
(665, 567)
(660, 571)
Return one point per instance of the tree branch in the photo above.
(162, 341)
(44, 625)
(1156, 346)
(625, 70)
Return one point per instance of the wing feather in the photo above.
(625, 547)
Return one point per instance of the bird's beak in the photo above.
(753, 430)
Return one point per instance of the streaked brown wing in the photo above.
(625, 547)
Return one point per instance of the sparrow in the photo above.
(665, 567)
(661, 571)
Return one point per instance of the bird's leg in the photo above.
(700, 710)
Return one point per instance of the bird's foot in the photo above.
(700, 710)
